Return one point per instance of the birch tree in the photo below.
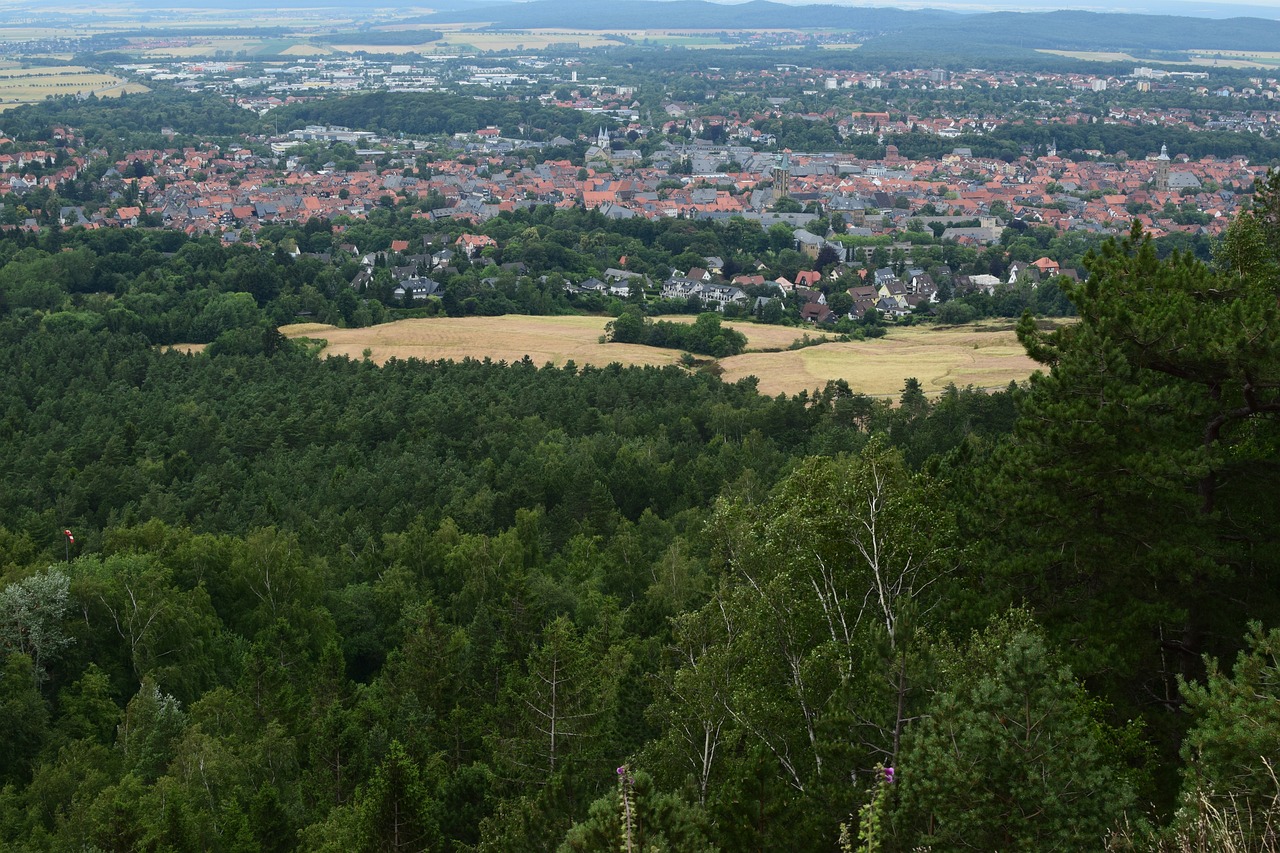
(31, 619)
(803, 657)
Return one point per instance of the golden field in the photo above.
(967, 355)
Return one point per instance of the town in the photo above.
(848, 215)
(638, 426)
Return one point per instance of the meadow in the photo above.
(983, 356)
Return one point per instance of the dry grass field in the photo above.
(969, 355)
(28, 85)
(937, 357)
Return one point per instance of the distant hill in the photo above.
(687, 14)
(1030, 30)
(1104, 31)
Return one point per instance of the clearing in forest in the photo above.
(984, 356)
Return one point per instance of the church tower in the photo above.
(782, 176)
(1162, 170)
(602, 139)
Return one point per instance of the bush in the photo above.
(956, 313)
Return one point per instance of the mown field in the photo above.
(982, 356)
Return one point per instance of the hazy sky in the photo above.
(1190, 8)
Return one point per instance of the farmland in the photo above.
(1207, 58)
(28, 85)
(970, 355)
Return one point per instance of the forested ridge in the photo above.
(252, 599)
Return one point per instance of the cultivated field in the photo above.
(968, 355)
(29, 85)
(464, 39)
(455, 38)
(1208, 58)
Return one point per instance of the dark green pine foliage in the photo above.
(1233, 746)
(1007, 754)
(637, 817)
(1135, 504)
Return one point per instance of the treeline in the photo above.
(175, 289)
(705, 335)
(1009, 141)
(172, 288)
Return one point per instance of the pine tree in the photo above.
(1008, 755)
(1134, 505)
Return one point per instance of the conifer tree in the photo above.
(1133, 506)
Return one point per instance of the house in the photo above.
(922, 284)
(808, 278)
(812, 312)
(810, 297)
(884, 275)
(717, 295)
(721, 295)
(472, 244)
(362, 279)
(864, 296)
(985, 283)
(417, 288)
(1046, 266)
(678, 287)
(1019, 271)
(808, 243)
(890, 307)
(893, 291)
(68, 215)
(614, 274)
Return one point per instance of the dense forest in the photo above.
(432, 113)
(255, 600)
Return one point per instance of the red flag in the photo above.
(67, 533)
